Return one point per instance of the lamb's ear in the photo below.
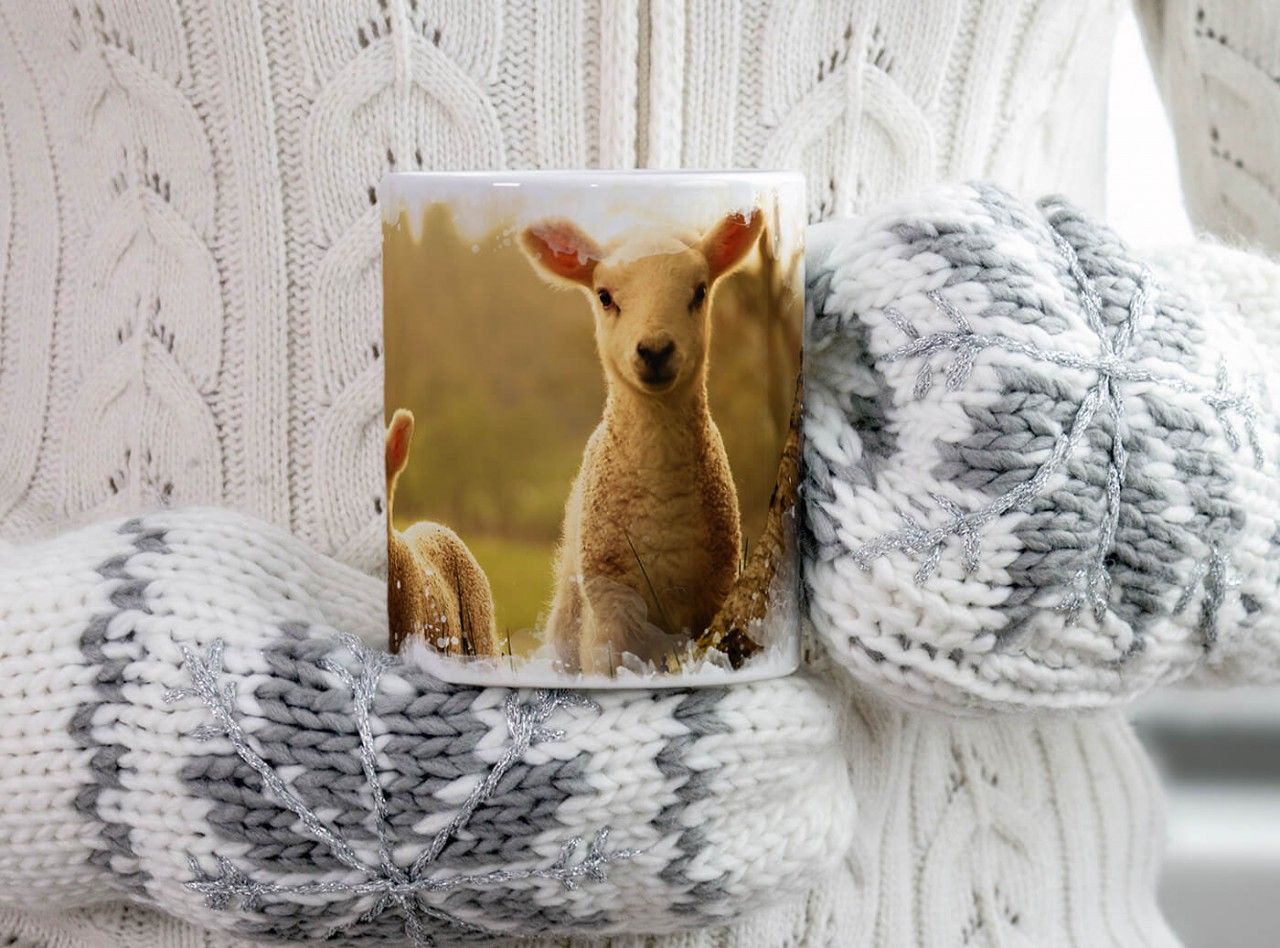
(728, 242)
(560, 249)
(399, 436)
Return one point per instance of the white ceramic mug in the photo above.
(598, 376)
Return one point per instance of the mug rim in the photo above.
(598, 174)
(400, 188)
(402, 184)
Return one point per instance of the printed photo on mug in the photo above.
(593, 439)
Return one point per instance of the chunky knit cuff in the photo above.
(1040, 473)
(184, 722)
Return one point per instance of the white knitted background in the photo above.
(188, 307)
(192, 314)
(195, 319)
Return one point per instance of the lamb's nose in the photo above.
(655, 353)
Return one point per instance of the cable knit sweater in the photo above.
(190, 313)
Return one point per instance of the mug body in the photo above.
(593, 425)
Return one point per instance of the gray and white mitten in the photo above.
(190, 718)
(1041, 474)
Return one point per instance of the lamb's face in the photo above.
(650, 294)
(650, 300)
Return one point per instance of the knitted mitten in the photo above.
(183, 722)
(1060, 482)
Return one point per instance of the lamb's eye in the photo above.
(699, 295)
(606, 298)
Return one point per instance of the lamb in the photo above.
(435, 588)
(651, 537)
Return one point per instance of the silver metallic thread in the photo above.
(392, 886)
(1091, 584)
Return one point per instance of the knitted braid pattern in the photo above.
(185, 726)
(190, 306)
(1039, 475)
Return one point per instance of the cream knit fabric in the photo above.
(189, 308)
(1218, 64)
(189, 189)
